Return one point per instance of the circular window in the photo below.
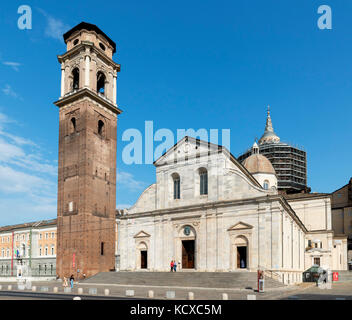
(75, 42)
(187, 230)
(101, 46)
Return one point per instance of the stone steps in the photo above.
(240, 280)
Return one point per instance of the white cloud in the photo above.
(9, 91)
(4, 119)
(9, 151)
(28, 185)
(14, 65)
(126, 179)
(12, 154)
(55, 28)
(18, 140)
(13, 181)
(13, 151)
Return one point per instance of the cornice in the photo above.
(81, 49)
(86, 92)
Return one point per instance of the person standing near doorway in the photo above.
(71, 280)
(172, 266)
(175, 265)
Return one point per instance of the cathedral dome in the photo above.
(257, 163)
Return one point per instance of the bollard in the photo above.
(170, 294)
(225, 296)
(129, 293)
(9, 287)
(34, 288)
(56, 289)
(80, 290)
(77, 298)
(106, 292)
(190, 296)
(251, 297)
(93, 291)
(151, 294)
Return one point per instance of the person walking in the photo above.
(65, 284)
(71, 280)
(175, 265)
(172, 265)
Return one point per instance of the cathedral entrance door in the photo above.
(241, 257)
(144, 259)
(188, 254)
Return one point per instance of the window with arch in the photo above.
(203, 175)
(40, 251)
(177, 187)
(52, 250)
(101, 79)
(75, 76)
(266, 185)
(73, 125)
(101, 128)
(46, 251)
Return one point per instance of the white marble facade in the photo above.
(236, 226)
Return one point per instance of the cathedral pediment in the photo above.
(142, 234)
(187, 147)
(240, 226)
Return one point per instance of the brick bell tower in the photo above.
(87, 153)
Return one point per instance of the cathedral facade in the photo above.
(208, 212)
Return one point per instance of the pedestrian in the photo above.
(175, 265)
(71, 280)
(172, 265)
(65, 282)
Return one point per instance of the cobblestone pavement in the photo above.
(304, 291)
(141, 292)
(338, 291)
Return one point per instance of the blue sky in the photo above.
(184, 64)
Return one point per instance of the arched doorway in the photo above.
(142, 256)
(187, 239)
(241, 252)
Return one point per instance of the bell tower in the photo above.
(87, 153)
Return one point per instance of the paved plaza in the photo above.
(305, 291)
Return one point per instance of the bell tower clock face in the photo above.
(187, 230)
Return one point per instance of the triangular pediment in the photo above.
(240, 226)
(187, 147)
(142, 234)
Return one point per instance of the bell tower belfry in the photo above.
(86, 208)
